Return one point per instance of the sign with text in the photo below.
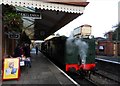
(11, 68)
(14, 36)
(35, 15)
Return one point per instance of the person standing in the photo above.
(18, 51)
(36, 50)
(26, 50)
(27, 55)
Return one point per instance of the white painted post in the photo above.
(0, 40)
(118, 11)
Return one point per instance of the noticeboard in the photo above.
(11, 68)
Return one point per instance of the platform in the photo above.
(42, 72)
(108, 64)
(111, 59)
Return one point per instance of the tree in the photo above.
(116, 32)
(12, 21)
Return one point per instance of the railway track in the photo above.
(104, 79)
(95, 80)
(81, 80)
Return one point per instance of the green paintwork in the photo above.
(91, 51)
(71, 53)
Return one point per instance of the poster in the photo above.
(11, 68)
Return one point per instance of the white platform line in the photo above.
(108, 61)
(65, 74)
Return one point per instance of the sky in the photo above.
(102, 15)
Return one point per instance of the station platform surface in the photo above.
(42, 72)
(111, 59)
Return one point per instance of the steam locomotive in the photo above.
(72, 54)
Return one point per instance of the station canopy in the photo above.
(53, 15)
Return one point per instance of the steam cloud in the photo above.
(82, 46)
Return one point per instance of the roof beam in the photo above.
(67, 18)
(40, 24)
(68, 7)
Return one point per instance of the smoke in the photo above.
(82, 47)
(70, 43)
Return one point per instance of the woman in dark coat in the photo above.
(18, 51)
(26, 50)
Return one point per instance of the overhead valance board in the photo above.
(63, 7)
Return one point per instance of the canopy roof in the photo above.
(54, 14)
